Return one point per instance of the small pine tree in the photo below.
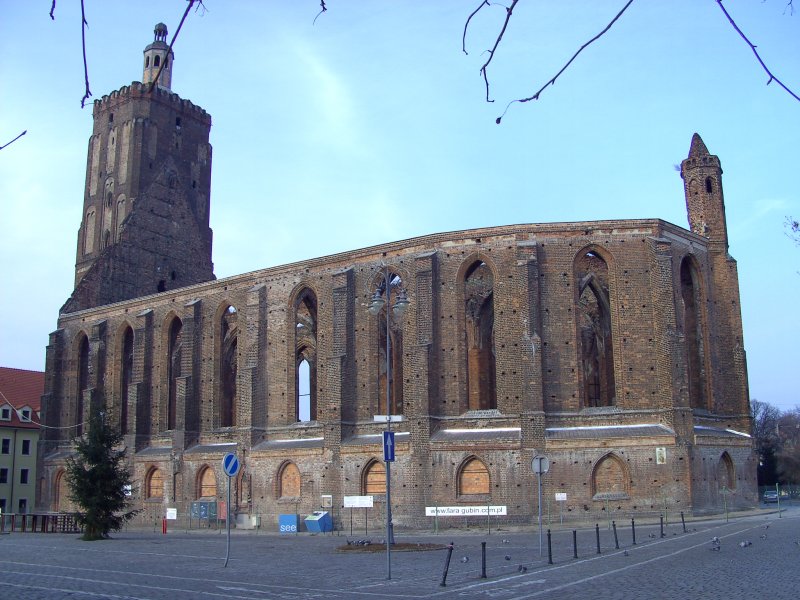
(97, 477)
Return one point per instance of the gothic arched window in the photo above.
(228, 366)
(693, 333)
(595, 344)
(479, 328)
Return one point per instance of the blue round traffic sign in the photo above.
(230, 464)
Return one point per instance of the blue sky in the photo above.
(370, 126)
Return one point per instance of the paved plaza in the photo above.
(138, 565)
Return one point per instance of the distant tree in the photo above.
(788, 455)
(97, 479)
(765, 435)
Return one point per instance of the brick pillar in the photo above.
(188, 397)
(97, 368)
(252, 384)
(140, 390)
(532, 418)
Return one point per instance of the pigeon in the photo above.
(715, 548)
(745, 544)
(625, 553)
(766, 526)
(652, 535)
(506, 541)
(507, 557)
(465, 559)
(522, 568)
(763, 536)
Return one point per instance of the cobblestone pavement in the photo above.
(183, 566)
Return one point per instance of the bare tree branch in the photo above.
(53, 9)
(14, 140)
(753, 48)
(322, 9)
(509, 10)
(569, 62)
(466, 25)
(174, 37)
(84, 25)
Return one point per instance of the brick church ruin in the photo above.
(614, 348)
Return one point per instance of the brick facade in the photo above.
(613, 347)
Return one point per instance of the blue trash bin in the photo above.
(319, 522)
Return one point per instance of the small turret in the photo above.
(155, 55)
(705, 203)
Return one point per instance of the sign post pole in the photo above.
(540, 465)
(230, 464)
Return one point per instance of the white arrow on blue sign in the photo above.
(230, 464)
(388, 446)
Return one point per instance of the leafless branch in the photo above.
(84, 25)
(53, 9)
(14, 140)
(322, 9)
(753, 48)
(509, 10)
(569, 62)
(174, 37)
(466, 25)
(789, 7)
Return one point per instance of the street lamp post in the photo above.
(398, 308)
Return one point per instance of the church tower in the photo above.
(145, 223)
(705, 203)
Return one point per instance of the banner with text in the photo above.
(464, 511)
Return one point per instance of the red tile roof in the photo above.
(21, 388)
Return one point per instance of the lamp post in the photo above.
(399, 307)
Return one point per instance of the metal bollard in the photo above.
(447, 564)
(633, 531)
(597, 534)
(662, 526)
(483, 560)
(616, 539)
(549, 549)
(574, 544)
(683, 522)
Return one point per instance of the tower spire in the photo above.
(155, 55)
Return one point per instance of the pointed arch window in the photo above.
(595, 344)
(693, 333)
(473, 478)
(206, 483)
(289, 481)
(126, 377)
(374, 480)
(157, 61)
(174, 354)
(228, 366)
(726, 473)
(88, 234)
(154, 484)
(609, 478)
(479, 328)
(305, 363)
(83, 382)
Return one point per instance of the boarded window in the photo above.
(154, 487)
(207, 484)
(473, 478)
(62, 500)
(608, 478)
(289, 481)
(375, 479)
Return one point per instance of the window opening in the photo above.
(595, 344)
(305, 318)
(26, 447)
(289, 481)
(174, 356)
(479, 333)
(473, 478)
(83, 382)
(375, 479)
(126, 378)
(155, 484)
(229, 332)
(207, 484)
